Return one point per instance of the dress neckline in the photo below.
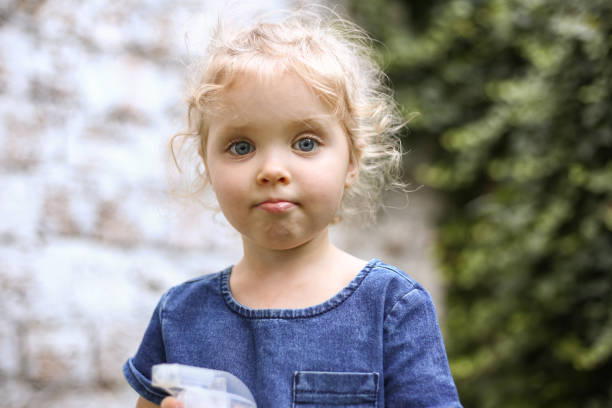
(309, 311)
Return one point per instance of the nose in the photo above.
(273, 170)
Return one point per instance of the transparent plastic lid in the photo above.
(199, 387)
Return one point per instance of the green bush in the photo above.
(515, 98)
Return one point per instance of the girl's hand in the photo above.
(171, 402)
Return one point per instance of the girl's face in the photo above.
(278, 161)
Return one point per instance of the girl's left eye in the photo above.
(306, 144)
(241, 148)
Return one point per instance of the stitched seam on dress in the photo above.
(305, 313)
(293, 391)
(358, 394)
(135, 375)
(401, 299)
(166, 297)
(377, 379)
(162, 307)
(401, 274)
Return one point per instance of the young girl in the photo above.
(294, 127)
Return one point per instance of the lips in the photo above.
(276, 206)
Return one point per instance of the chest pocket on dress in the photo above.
(317, 389)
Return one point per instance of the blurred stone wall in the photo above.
(90, 93)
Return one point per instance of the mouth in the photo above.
(276, 206)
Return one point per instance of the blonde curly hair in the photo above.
(334, 58)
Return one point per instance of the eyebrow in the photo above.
(313, 123)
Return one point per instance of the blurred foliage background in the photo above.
(515, 132)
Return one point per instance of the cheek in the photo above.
(220, 182)
(224, 187)
(326, 183)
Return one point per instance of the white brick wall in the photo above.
(89, 236)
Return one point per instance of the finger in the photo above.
(171, 402)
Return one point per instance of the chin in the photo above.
(283, 244)
(282, 240)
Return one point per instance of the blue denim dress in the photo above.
(376, 343)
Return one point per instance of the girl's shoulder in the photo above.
(194, 289)
(395, 285)
(391, 277)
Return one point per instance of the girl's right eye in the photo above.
(241, 148)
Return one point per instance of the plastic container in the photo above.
(199, 387)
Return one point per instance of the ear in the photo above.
(353, 166)
(203, 158)
(351, 174)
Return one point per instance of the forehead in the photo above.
(251, 99)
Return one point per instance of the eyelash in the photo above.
(315, 140)
(232, 145)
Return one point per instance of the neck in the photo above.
(292, 278)
(269, 262)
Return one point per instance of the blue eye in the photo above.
(306, 144)
(241, 148)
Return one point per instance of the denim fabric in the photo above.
(315, 389)
(376, 343)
